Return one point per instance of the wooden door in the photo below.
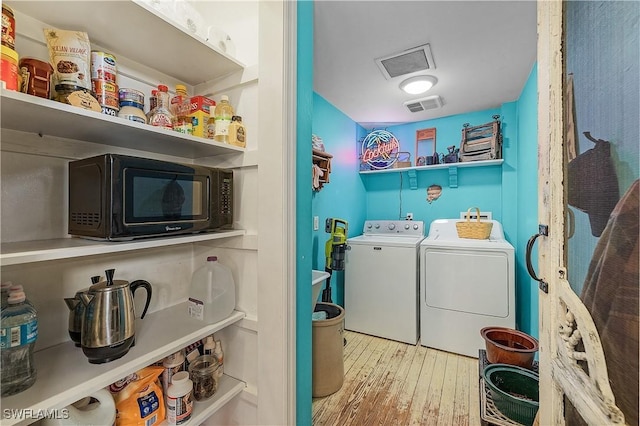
(576, 384)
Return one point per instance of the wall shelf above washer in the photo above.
(452, 167)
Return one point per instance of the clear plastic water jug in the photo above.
(212, 296)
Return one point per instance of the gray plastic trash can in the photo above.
(328, 350)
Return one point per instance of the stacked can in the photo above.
(103, 82)
(132, 105)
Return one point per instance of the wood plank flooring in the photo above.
(392, 383)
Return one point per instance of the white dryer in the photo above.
(465, 285)
(381, 280)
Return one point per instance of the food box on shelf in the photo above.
(199, 111)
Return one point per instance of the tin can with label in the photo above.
(103, 66)
(8, 27)
(107, 95)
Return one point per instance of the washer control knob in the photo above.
(415, 227)
(369, 226)
(406, 226)
(392, 226)
(377, 225)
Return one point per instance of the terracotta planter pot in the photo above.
(509, 346)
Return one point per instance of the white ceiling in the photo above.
(483, 51)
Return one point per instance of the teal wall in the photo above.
(526, 203)
(389, 195)
(344, 196)
(509, 190)
(304, 110)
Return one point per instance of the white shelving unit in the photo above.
(69, 376)
(42, 127)
(451, 167)
(138, 32)
(44, 117)
(483, 163)
(66, 248)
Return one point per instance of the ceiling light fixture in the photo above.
(418, 84)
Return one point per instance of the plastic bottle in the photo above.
(209, 346)
(223, 114)
(5, 293)
(180, 108)
(14, 288)
(172, 364)
(161, 115)
(212, 296)
(179, 399)
(219, 355)
(19, 334)
(153, 103)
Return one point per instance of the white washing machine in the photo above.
(381, 284)
(465, 285)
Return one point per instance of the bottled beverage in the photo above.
(19, 334)
(161, 116)
(14, 288)
(212, 296)
(222, 114)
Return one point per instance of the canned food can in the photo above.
(103, 66)
(131, 95)
(8, 27)
(107, 95)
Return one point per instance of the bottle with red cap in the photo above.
(161, 116)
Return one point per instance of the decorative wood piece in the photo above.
(322, 160)
(425, 145)
(483, 142)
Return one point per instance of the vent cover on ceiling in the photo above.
(422, 104)
(406, 62)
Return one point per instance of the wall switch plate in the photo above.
(409, 216)
(316, 223)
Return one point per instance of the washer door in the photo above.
(473, 281)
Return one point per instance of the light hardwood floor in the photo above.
(392, 383)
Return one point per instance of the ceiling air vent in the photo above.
(406, 62)
(423, 104)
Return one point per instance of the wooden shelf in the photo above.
(64, 375)
(44, 117)
(136, 31)
(65, 248)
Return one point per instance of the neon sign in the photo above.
(380, 149)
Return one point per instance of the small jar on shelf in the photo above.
(237, 132)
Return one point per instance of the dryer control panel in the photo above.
(394, 227)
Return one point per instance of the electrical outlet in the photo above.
(316, 223)
(409, 216)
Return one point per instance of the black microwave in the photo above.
(119, 197)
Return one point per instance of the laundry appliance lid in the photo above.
(386, 240)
